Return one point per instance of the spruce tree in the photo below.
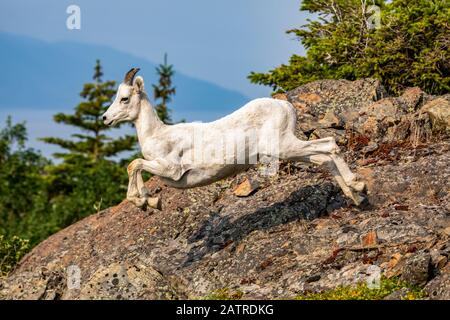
(91, 143)
(409, 47)
(163, 90)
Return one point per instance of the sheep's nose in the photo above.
(104, 118)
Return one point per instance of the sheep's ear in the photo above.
(138, 84)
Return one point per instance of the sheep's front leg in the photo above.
(137, 193)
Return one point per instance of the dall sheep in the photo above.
(187, 155)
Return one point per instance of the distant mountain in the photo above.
(40, 75)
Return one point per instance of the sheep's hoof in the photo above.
(360, 200)
(154, 203)
(139, 202)
(357, 198)
(359, 186)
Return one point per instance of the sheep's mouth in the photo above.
(110, 123)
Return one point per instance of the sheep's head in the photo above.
(127, 102)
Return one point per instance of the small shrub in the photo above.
(362, 292)
(11, 251)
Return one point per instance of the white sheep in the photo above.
(181, 160)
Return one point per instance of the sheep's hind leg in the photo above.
(349, 178)
(324, 151)
(333, 168)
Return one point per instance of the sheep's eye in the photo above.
(124, 99)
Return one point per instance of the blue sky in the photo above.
(219, 41)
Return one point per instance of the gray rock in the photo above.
(439, 287)
(340, 96)
(439, 113)
(417, 269)
(398, 294)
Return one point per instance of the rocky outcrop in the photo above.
(275, 237)
(346, 109)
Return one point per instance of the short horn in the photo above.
(130, 76)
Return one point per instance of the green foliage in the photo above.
(410, 48)
(164, 91)
(11, 251)
(362, 292)
(224, 294)
(38, 198)
(23, 188)
(92, 143)
(88, 188)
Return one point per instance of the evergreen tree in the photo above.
(163, 90)
(91, 143)
(410, 46)
(23, 187)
